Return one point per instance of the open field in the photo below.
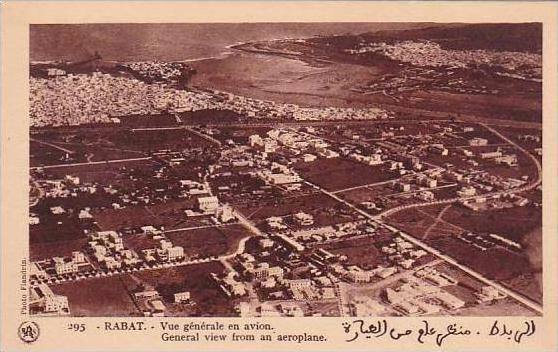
(211, 241)
(495, 263)
(160, 139)
(41, 154)
(101, 173)
(139, 242)
(138, 138)
(99, 297)
(324, 209)
(513, 223)
(58, 228)
(366, 194)
(44, 250)
(361, 252)
(48, 147)
(411, 221)
(338, 173)
(287, 206)
(170, 215)
(210, 300)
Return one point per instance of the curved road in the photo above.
(527, 187)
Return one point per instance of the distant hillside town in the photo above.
(63, 98)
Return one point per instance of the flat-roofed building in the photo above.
(208, 204)
(181, 297)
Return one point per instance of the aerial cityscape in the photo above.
(285, 170)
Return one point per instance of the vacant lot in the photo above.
(495, 263)
(41, 154)
(338, 173)
(209, 299)
(139, 242)
(411, 221)
(366, 194)
(170, 215)
(58, 228)
(206, 242)
(361, 252)
(105, 174)
(45, 250)
(513, 223)
(290, 205)
(324, 209)
(104, 297)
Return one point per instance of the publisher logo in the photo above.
(28, 331)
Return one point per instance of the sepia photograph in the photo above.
(297, 169)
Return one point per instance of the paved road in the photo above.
(114, 161)
(268, 123)
(204, 136)
(239, 250)
(199, 227)
(52, 145)
(369, 185)
(247, 223)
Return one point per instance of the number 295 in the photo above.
(76, 327)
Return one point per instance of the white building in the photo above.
(208, 204)
(176, 252)
(255, 140)
(476, 142)
(225, 213)
(309, 158)
(48, 302)
(62, 266)
(181, 297)
(304, 219)
(299, 284)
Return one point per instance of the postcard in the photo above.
(277, 176)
